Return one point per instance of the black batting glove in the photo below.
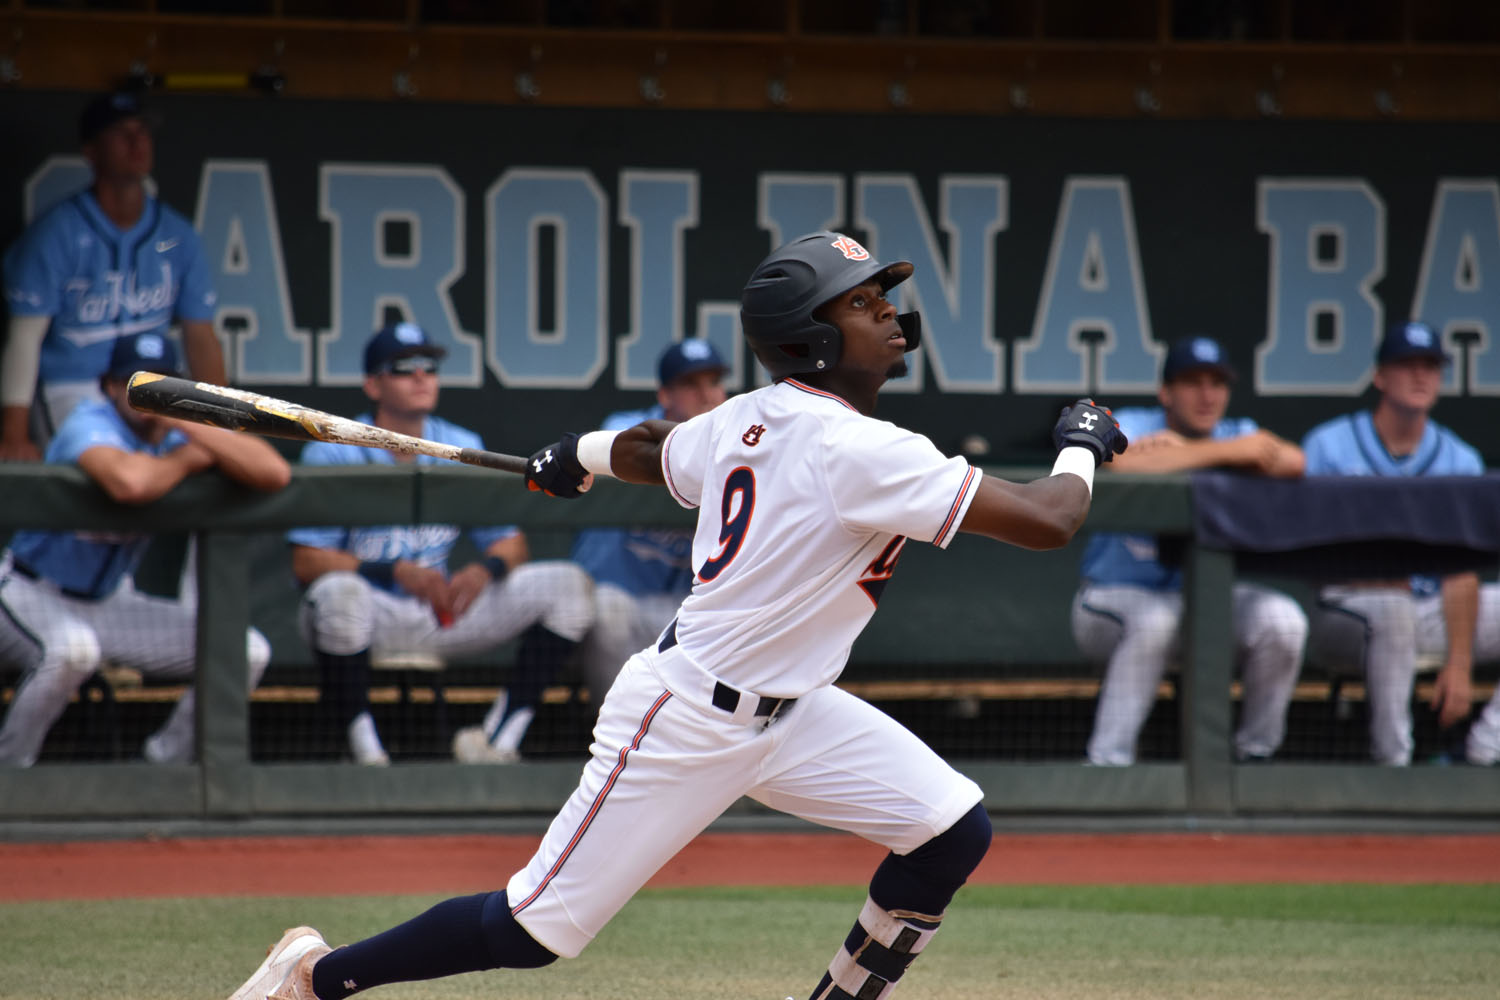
(1091, 426)
(555, 470)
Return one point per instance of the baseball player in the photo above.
(108, 262)
(805, 503)
(1384, 625)
(641, 575)
(1128, 612)
(67, 599)
(388, 587)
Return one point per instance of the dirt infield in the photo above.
(263, 866)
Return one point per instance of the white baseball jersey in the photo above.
(807, 504)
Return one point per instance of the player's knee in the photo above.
(570, 607)
(965, 843)
(1153, 628)
(925, 879)
(342, 620)
(510, 945)
(257, 654)
(74, 651)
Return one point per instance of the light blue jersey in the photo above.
(1132, 559)
(99, 282)
(638, 560)
(425, 544)
(88, 564)
(1350, 446)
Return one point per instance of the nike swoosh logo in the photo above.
(162, 246)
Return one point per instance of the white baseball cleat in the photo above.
(286, 974)
(470, 747)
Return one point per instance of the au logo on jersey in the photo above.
(850, 249)
(752, 435)
(878, 573)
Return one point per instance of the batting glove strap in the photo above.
(555, 469)
(1093, 427)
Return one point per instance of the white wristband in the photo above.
(593, 452)
(1078, 460)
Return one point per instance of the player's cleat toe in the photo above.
(158, 749)
(364, 742)
(298, 984)
(276, 975)
(471, 747)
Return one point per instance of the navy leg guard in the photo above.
(926, 879)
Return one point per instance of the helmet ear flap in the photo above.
(911, 329)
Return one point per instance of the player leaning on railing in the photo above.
(805, 504)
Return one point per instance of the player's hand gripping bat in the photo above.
(237, 410)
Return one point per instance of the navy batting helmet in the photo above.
(777, 305)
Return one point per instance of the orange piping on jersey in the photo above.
(963, 491)
(640, 734)
(666, 471)
(819, 392)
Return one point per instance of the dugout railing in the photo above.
(947, 608)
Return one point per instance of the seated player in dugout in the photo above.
(805, 501)
(388, 588)
(1127, 613)
(68, 601)
(1383, 625)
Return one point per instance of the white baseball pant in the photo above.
(343, 613)
(1385, 630)
(623, 623)
(58, 641)
(665, 763)
(1136, 631)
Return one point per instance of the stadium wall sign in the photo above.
(559, 251)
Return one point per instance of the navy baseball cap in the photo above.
(143, 352)
(1411, 340)
(1197, 354)
(107, 109)
(686, 357)
(398, 340)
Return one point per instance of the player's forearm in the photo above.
(1043, 514)
(243, 457)
(513, 549)
(635, 455)
(205, 358)
(19, 363)
(1174, 458)
(14, 424)
(137, 478)
(1460, 597)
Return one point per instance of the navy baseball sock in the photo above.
(463, 934)
(345, 685)
(907, 898)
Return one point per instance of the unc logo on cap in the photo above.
(850, 249)
(1418, 334)
(409, 333)
(695, 350)
(150, 345)
(1205, 350)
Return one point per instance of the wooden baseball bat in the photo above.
(238, 410)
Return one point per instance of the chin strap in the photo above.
(911, 329)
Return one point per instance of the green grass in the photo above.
(1079, 943)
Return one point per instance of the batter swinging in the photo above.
(806, 502)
